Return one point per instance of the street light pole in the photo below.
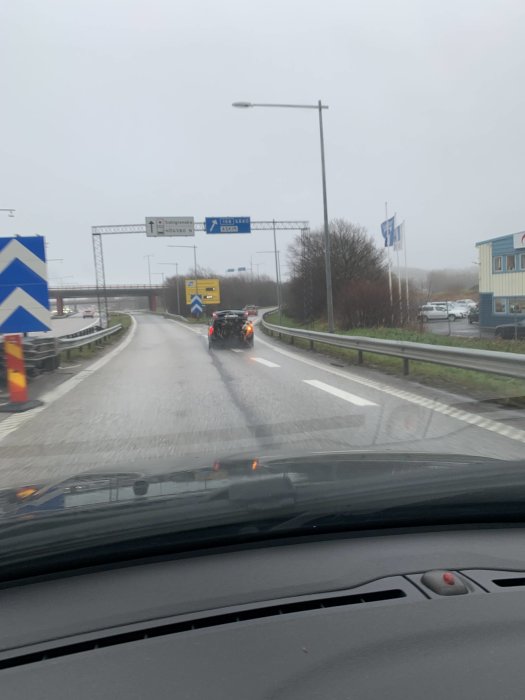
(277, 276)
(149, 267)
(328, 267)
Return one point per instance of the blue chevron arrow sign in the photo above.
(196, 305)
(24, 296)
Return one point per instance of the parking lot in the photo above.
(461, 328)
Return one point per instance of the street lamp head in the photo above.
(242, 104)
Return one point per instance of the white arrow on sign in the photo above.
(16, 251)
(214, 224)
(19, 297)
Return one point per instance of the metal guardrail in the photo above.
(42, 354)
(508, 364)
(86, 339)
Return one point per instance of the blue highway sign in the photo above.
(228, 224)
(196, 305)
(24, 296)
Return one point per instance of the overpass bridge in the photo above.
(151, 291)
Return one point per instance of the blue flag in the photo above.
(387, 229)
(398, 237)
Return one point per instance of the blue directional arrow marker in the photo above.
(228, 224)
(196, 305)
(24, 296)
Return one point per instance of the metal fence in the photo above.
(42, 354)
(508, 364)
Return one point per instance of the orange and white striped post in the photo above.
(16, 371)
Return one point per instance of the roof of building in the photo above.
(498, 238)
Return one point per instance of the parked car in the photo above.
(473, 314)
(469, 303)
(432, 312)
(511, 330)
(457, 311)
(440, 311)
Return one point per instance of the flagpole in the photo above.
(389, 268)
(397, 243)
(406, 270)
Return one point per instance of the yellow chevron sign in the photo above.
(208, 289)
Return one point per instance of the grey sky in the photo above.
(116, 109)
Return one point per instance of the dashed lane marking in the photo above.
(492, 426)
(345, 395)
(264, 362)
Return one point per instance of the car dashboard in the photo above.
(397, 614)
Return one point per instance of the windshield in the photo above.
(235, 233)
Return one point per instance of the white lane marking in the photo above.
(15, 421)
(345, 395)
(235, 349)
(264, 362)
(463, 416)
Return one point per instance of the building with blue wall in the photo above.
(502, 279)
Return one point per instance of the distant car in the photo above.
(469, 303)
(438, 312)
(473, 315)
(432, 312)
(251, 309)
(230, 328)
(510, 331)
(457, 311)
(88, 313)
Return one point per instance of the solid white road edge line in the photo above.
(15, 421)
(493, 426)
(345, 395)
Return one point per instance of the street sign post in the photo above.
(24, 296)
(164, 226)
(208, 289)
(228, 224)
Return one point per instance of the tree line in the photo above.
(360, 280)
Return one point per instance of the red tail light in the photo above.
(210, 330)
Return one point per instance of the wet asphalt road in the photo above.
(166, 401)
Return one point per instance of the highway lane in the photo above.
(166, 401)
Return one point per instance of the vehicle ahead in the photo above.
(230, 328)
(251, 310)
(88, 313)
(473, 314)
(511, 331)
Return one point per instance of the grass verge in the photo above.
(480, 385)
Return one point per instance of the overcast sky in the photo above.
(114, 110)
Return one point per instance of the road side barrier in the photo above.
(508, 364)
(16, 376)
